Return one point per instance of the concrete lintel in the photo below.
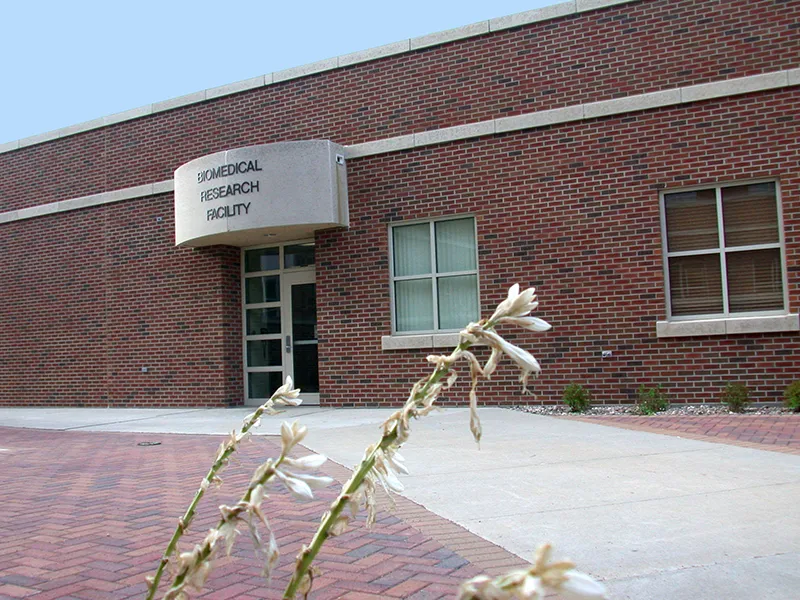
(303, 70)
(193, 98)
(416, 342)
(406, 342)
(375, 53)
(81, 127)
(9, 216)
(733, 87)
(450, 35)
(763, 324)
(793, 76)
(9, 146)
(394, 144)
(82, 202)
(39, 138)
(37, 211)
(134, 113)
(586, 5)
(137, 191)
(233, 88)
(541, 118)
(164, 187)
(632, 103)
(445, 340)
(450, 134)
(533, 16)
(728, 326)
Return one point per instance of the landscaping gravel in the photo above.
(674, 410)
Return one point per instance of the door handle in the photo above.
(288, 344)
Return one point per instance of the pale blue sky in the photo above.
(68, 62)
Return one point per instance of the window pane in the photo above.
(692, 220)
(695, 285)
(304, 312)
(458, 301)
(261, 385)
(455, 245)
(264, 353)
(262, 289)
(306, 368)
(263, 259)
(755, 280)
(412, 249)
(413, 301)
(261, 321)
(299, 255)
(750, 214)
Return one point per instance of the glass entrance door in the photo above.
(280, 321)
(300, 334)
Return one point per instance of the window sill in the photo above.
(427, 340)
(728, 326)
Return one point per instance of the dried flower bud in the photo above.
(339, 525)
(292, 435)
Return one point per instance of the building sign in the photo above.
(239, 197)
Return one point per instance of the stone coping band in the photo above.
(409, 45)
(533, 120)
(728, 326)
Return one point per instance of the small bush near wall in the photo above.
(736, 396)
(652, 400)
(792, 396)
(577, 397)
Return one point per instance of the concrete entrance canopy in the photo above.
(261, 194)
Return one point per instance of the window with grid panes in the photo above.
(434, 275)
(724, 252)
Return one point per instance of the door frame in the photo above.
(288, 277)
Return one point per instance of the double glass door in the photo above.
(280, 322)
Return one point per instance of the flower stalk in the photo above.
(194, 566)
(285, 394)
(381, 460)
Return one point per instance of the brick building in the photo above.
(635, 160)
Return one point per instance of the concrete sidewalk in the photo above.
(655, 516)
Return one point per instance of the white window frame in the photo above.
(434, 275)
(723, 250)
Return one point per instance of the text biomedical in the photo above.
(244, 166)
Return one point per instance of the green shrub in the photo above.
(792, 396)
(652, 400)
(736, 396)
(577, 398)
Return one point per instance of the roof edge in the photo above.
(545, 13)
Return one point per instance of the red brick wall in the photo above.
(574, 211)
(92, 296)
(617, 51)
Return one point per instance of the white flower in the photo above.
(530, 323)
(312, 461)
(301, 484)
(522, 358)
(579, 586)
(299, 489)
(517, 304)
(286, 394)
(542, 578)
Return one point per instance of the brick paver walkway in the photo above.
(87, 515)
(779, 433)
